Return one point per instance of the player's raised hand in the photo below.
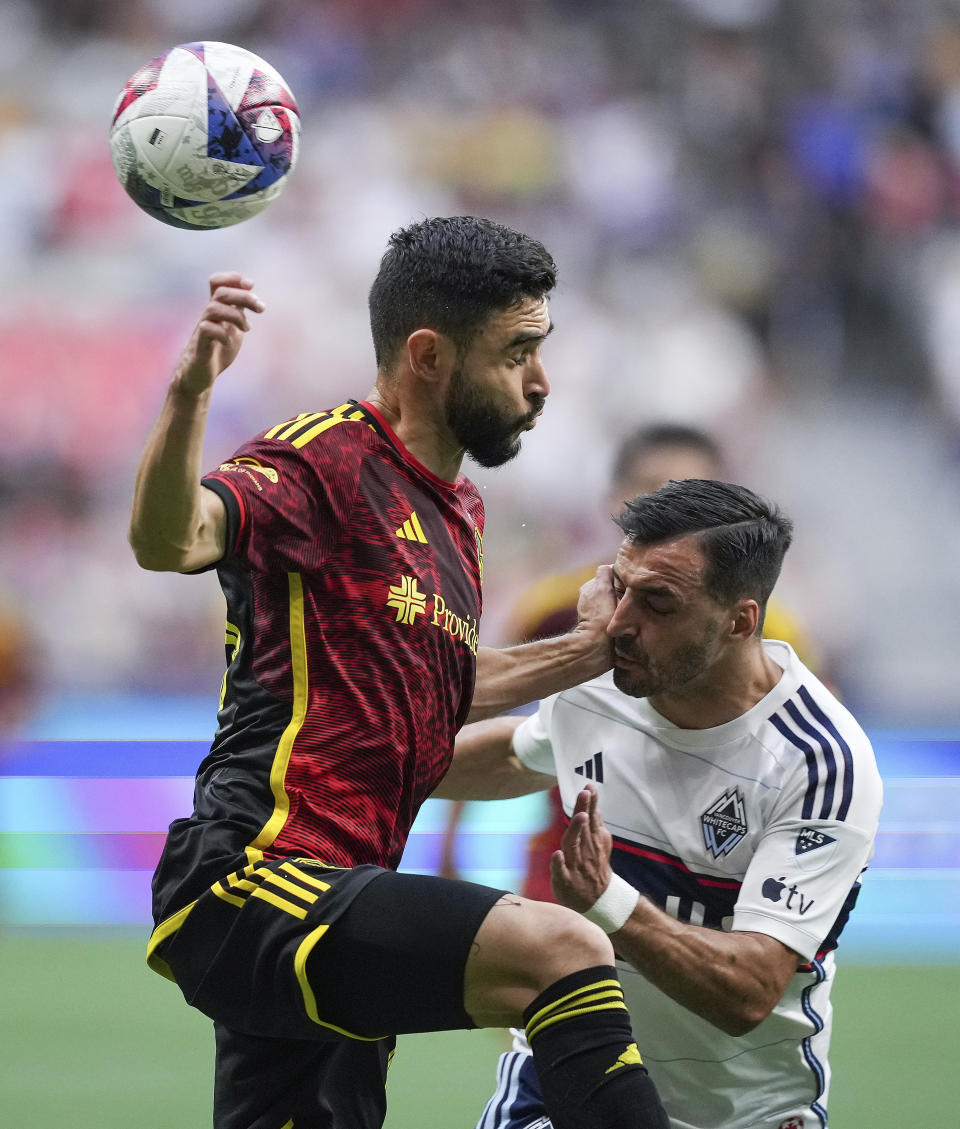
(580, 870)
(218, 335)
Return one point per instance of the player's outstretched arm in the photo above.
(733, 980)
(485, 767)
(513, 676)
(176, 525)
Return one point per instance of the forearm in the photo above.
(167, 517)
(514, 676)
(485, 767)
(733, 980)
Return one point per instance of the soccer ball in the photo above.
(204, 135)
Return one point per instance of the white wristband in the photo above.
(612, 910)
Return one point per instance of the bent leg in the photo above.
(556, 969)
(521, 948)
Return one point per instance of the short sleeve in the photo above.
(531, 740)
(285, 507)
(800, 878)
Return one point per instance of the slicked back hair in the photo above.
(743, 537)
(451, 274)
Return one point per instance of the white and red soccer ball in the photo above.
(205, 135)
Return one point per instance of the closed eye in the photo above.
(658, 609)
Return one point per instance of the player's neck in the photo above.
(420, 432)
(728, 690)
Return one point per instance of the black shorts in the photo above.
(309, 971)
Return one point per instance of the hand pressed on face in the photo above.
(580, 870)
(597, 601)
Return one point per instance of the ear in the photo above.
(746, 619)
(431, 355)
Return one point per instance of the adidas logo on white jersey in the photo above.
(592, 769)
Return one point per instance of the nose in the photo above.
(621, 621)
(536, 383)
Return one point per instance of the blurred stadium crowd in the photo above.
(754, 206)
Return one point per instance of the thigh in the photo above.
(396, 960)
(239, 955)
(294, 950)
(299, 1084)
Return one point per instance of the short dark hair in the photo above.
(451, 274)
(743, 536)
(655, 436)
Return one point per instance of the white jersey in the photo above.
(763, 824)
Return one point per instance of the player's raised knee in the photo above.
(567, 942)
(559, 941)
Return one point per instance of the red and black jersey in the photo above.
(353, 584)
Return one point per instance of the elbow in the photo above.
(741, 1018)
(736, 1025)
(152, 557)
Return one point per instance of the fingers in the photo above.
(229, 278)
(234, 289)
(559, 871)
(588, 802)
(224, 309)
(218, 335)
(231, 297)
(592, 808)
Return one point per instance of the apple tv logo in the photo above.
(773, 888)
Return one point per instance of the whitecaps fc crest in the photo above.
(724, 823)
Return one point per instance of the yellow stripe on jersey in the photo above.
(287, 1125)
(278, 771)
(164, 930)
(231, 636)
(288, 427)
(309, 999)
(338, 415)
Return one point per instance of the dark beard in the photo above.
(489, 435)
(686, 663)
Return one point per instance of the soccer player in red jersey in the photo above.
(349, 548)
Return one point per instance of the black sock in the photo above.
(590, 1070)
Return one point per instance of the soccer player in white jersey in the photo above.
(739, 805)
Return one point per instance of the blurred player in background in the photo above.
(349, 547)
(741, 803)
(19, 676)
(646, 459)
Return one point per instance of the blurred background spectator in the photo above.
(754, 207)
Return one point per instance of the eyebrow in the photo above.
(647, 589)
(524, 338)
